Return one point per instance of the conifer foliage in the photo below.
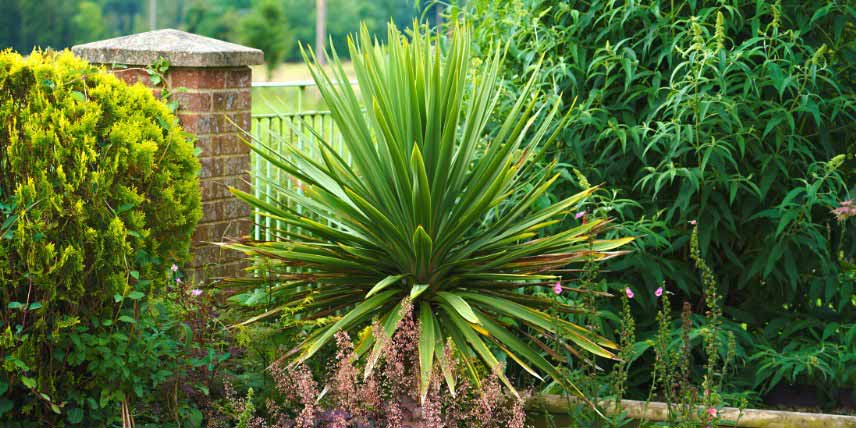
(98, 197)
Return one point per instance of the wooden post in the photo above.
(729, 416)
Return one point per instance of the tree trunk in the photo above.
(179, 13)
(320, 29)
(153, 15)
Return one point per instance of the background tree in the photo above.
(266, 28)
(28, 24)
(58, 24)
(125, 13)
(10, 24)
(88, 24)
(212, 20)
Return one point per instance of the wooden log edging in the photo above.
(746, 418)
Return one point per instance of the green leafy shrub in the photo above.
(435, 212)
(99, 196)
(738, 114)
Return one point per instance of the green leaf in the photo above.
(74, 415)
(5, 406)
(195, 418)
(461, 306)
(77, 95)
(386, 282)
(519, 351)
(18, 363)
(136, 295)
(426, 349)
(440, 355)
(7, 226)
(28, 382)
(312, 345)
(15, 305)
(480, 348)
(423, 247)
(418, 289)
(127, 319)
(35, 305)
(123, 208)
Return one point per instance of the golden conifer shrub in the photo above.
(99, 195)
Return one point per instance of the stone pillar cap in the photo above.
(180, 48)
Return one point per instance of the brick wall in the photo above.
(214, 105)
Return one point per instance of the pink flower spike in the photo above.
(845, 210)
(693, 222)
(178, 280)
(629, 293)
(658, 292)
(558, 287)
(196, 292)
(712, 412)
(174, 267)
(580, 215)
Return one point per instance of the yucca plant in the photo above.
(434, 212)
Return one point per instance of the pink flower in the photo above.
(629, 292)
(658, 292)
(693, 222)
(178, 280)
(711, 411)
(845, 210)
(174, 267)
(558, 287)
(196, 292)
(580, 215)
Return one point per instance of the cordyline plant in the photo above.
(434, 211)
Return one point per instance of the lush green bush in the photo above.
(98, 196)
(737, 114)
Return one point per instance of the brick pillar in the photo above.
(215, 106)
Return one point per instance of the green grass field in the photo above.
(290, 72)
(269, 100)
